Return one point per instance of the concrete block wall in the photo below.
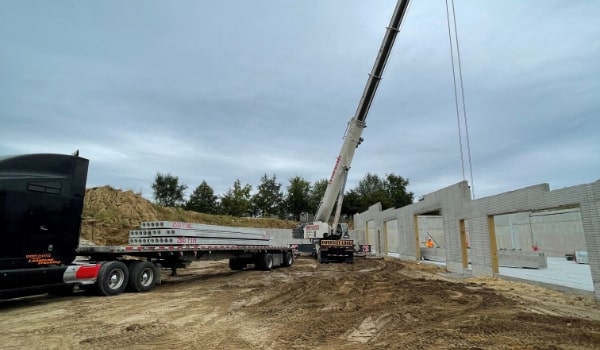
(478, 212)
(448, 201)
(455, 204)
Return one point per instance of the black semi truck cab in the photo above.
(41, 202)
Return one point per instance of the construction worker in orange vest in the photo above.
(429, 243)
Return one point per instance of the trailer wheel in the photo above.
(288, 259)
(266, 262)
(112, 278)
(142, 276)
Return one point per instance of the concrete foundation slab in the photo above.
(560, 272)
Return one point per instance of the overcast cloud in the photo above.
(226, 90)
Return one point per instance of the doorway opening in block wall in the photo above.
(465, 243)
(372, 237)
(391, 238)
(431, 236)
(558, 232)
(548, 243)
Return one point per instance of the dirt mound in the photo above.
(109, 214)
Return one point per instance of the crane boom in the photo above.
(352, 138)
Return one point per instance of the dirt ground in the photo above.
(373, 304)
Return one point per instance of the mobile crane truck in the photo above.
(331, 241)
(41, 203)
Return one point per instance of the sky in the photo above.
(217, 91)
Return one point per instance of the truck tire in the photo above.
(266, 262)
(236, 264)
(318, 256)
(112, 278)
(142, 276)
(288, 259)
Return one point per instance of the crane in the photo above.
(328, 238)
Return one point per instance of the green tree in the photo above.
(352, 203)
(168, 192)
(236, 201)
(389, 191)
(372, 189)
(317, 190)
(203, 200)
(297, 198)
(268, 198)
(395, 188)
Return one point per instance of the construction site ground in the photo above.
(372, 304)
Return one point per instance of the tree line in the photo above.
(272, 200)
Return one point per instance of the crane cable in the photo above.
(462, 91)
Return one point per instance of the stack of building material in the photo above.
(183, 233)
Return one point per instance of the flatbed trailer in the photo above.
(111, 270)
(41, 203)
(138, 268)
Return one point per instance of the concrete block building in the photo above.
(469, 239)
